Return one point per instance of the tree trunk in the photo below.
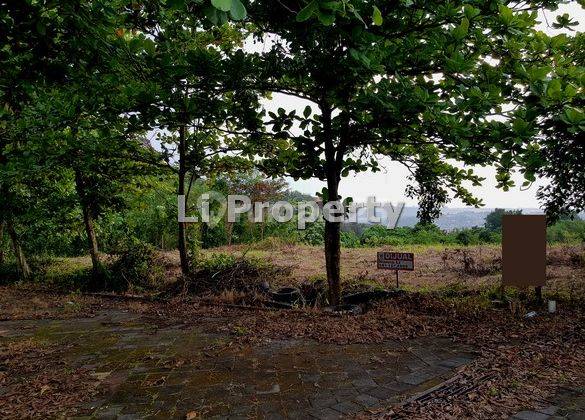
(1, 243)
(24, 271)
(183, 255)
(332, 259)
(89, 223)
(332, 229)
(229, 227)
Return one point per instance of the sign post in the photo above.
(396, 261)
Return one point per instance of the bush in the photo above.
(314, 234)
(137, 267)
(219, 272)
(350, 240)
(8, 273)
(566, 231)
(274, 242)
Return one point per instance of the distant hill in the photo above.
(451, 218)
(455, 218)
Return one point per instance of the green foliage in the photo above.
(493, 220)
(314, 233)
(350, 240)
(137, 268)
(8, 273)
(566, 231)
(217, 262)
(83, 82)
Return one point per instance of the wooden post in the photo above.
(397, 285)
(538, 291)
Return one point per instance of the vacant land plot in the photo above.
(443, 346)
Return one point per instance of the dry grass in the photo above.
(435, 266)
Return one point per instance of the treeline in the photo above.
(149, 217)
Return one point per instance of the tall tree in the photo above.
(419, 82)
(195, 96)
(74, 102)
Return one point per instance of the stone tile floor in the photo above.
(168, 371)
(568, 404)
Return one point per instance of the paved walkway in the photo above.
(167, 372)
(568, 404)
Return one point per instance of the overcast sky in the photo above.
(389, 184)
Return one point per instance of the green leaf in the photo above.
(358, 16)
(377, 18)
(308, 11)
(539, 73)
(460, 32)
(470, 11)
(506, 14)
(238, 11)
(223, 5)
(307, 112)
(176, 4)
(211, 14)
(41, 28)
(332, 5)
(574, 115)
(554, 88)
(326, 19)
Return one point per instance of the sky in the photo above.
(390, 183)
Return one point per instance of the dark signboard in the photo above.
(396, 261)
(524, 250)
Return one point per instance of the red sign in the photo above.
(396, 261)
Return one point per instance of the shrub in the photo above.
(219, 272)
(350, 240)
(314, 233)
(8, 273)
(137, 267)
(464, 237)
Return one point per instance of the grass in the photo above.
(438, 269)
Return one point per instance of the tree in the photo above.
(493, 221)
(193, 95)
(260, 190)
(552, 125)
(419, 82)
(77, 120)
(31, 44)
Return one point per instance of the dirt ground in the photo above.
(521, 363)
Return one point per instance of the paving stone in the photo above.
(454, 362)
(367, 400)
(548, 410)
(345, 393)
(415, 378)
(325, 414)
(530, 415)
(312, 378)
(273, 416)
(223, 381)
(365, 382)
(323, 401)
(347, 407)
(382, 393)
